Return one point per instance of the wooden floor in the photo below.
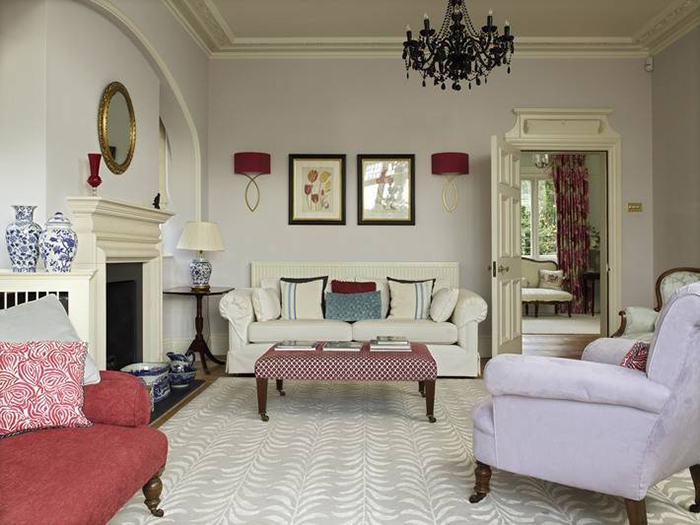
(551, 345)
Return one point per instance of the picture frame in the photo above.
(386, 188)
(317, 189)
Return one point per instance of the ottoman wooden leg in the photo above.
(430, 399)
(421, 388)
(280, 383)
(262, 397)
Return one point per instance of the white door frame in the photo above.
(582, 130)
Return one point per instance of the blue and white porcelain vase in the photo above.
(58, 244)
(200, 271)
(22, 238)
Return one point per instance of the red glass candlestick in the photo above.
(94, 179)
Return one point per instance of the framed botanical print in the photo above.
(386, 189)
(317, 189)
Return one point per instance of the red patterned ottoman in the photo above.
(319, 365)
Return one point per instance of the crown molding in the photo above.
(205, 24)
(676, 20)
(391, 47)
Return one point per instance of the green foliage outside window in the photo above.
(547, 220)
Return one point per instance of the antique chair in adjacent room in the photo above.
(637, 322)
(594, 424)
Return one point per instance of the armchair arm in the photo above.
(608, 350)
(118, 399)
(636, 320)
(567, 379)
(237, 307)
(470, 307)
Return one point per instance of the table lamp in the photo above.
(202, 237)
(451, 165)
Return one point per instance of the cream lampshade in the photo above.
(202, 237)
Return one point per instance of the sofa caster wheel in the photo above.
(422, 394)
(282, 393)
(432, 419)
(264, 417)
(158, 513)
(695, 508)
(476, 498)
(152, 490)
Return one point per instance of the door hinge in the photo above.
(493, 269)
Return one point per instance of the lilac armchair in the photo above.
(593, 424)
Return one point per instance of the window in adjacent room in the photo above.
(538, 216)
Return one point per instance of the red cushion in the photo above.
(41, 385)
(352, 287)
(637, 357)
(118, 399)
(77, 475)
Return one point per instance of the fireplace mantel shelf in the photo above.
(100, 206)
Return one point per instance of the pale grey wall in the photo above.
(366, 106)
(676, 135)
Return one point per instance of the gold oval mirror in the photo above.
(116, 127)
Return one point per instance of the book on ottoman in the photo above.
(343, 346)
(301, 346)
(390, 344)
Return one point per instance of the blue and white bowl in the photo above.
(181, 379)
(154, 375)
(182, 369)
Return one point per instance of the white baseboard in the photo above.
(218, 344)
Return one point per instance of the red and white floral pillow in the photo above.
(41, 386)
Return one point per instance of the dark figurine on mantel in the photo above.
(156, 202)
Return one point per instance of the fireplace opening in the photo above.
(124, 314)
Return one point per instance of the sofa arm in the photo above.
(118, 399)
(237, 307)
(637, 320)
(470, 307)
(608, 350)
(567, 379)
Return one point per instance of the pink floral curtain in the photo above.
(571, 187)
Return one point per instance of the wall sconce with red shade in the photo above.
(252, 165)
(94, 179)
(450, 165)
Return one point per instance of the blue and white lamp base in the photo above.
(200, 270)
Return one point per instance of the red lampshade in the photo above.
(249, 162)
(450, 163)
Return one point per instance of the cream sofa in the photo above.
(454, 344)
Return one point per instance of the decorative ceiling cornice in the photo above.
(206, 25)
(677, 19)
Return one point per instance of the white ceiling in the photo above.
(386, 18)
(543, 28)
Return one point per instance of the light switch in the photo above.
(634, 206)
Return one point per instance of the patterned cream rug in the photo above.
(357, 453)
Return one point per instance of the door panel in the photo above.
(506, 324)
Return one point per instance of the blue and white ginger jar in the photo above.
(58, 244)
(22, 238)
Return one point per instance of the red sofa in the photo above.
(85, 475)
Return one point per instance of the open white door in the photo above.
(506, 318)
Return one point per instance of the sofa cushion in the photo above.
(354, 306)
(410, 300)
(545, 294)
(422, 330)
(82, 475)
(41, 386)
(303, 299)
(19, 324)
(352, 287)
(299, 329)
(266, 303)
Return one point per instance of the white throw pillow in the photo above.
(302, 300)
(383, 289)
(551, 279)
(266, 304)
(443, 304)
(410, 300)
(43, 320)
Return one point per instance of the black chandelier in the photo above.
(458, 52)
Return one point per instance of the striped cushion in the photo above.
(302, 300)
(410, 300)
(636, 358)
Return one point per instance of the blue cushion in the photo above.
(353, 306)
